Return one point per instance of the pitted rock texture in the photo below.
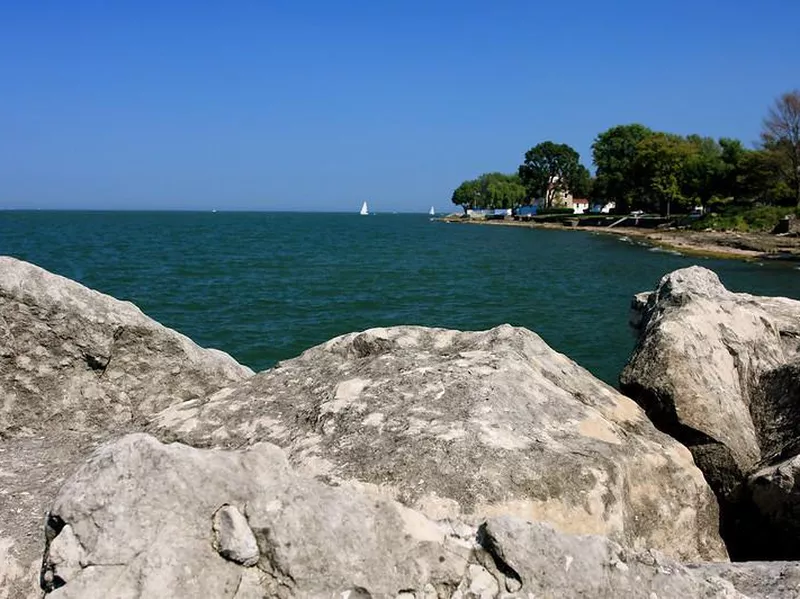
(79, 359)
(135, 521)
(720, 371)
(76, 367)
(141, 513)
(757, 580)
(539, 562)
(468, 425)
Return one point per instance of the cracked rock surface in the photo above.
(720, 372)
(76, 368)
(153, 539)
(468, 425)
(413, 463)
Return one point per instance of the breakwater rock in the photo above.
(77, 368)
(400, 462)
(468, 425)
(720, 372)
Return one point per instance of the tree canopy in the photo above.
(781, 137)
(614, 153)
(490, 190)
(551, 169)
(655, 171)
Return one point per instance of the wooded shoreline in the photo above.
(708, 244)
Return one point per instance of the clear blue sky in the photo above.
(315, 105)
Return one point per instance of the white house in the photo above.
(558, 198)
(580, 206)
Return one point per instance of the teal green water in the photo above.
(266, 286)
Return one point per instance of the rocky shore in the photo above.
(400, 462)
(709, 244)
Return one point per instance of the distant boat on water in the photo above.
(364, 209)
(432, 212)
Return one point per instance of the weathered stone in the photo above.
(136, 522)
(774, 492)
(757, 580)
(140, 511)
(67, 558)
(544, 563)
(234, 539)
(719, 371)
(81, 359)
(469, 425)
(76, 367)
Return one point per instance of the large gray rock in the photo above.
(137, 520)
(774, 500)
(539, 562)
(76, 367)
(757, 580)
(468, 425)
(719, 371)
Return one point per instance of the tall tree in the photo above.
(467, 195)
(733, 154)
(490, 190)
(704, 169)
(781, 136)
(661, 161)
(761, 178)
(614, 153)
(502, 191)
(549, 170)
(583, 183)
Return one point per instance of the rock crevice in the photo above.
(720, 372)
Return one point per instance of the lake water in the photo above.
(265, 286)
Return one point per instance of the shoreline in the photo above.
(751, 247)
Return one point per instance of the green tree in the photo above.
(467, 195)
(615, 153)
(502, 191)
(703, 169)
(582, 185)
(550, 169)
(760, 178)
(781, 136)
(733, 155)
(490, 190)
(662, 162)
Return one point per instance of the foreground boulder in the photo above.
(141, 519)
(76, 367)
(720, 372)
(468, 426)
(757, 580)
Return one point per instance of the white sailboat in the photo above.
(364, 209)
(432, 212)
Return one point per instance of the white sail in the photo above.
(364, 209)
(432, 212)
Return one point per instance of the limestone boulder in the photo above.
(774, 493)
(756, 580)
(77, 359)
(143, 519)
(537, 561)
(468, 425)
(718, 371)
(76, 367)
